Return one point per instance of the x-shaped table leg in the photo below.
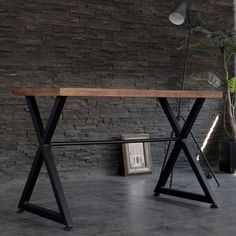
(44, 154)
(183, 144)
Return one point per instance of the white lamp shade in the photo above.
(177, 17)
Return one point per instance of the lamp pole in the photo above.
(177, 17)
(185, 63)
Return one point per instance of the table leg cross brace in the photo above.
(44, 154)
(183, 144)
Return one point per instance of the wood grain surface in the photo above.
(105, 92)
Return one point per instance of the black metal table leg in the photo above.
(183, 133)
(44, 154)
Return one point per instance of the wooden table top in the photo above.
(105, 92)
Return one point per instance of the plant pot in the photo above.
(227, 160)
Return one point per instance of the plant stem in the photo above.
(228, 116)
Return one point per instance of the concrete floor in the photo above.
(123, 206)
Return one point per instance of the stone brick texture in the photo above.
(98, 43)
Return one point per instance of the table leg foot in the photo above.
(208, 175)
(68, 228)
(20, 210)
(156, 194)
(215, 206)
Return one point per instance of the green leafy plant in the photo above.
(224, 42)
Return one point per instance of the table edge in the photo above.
(115, 92)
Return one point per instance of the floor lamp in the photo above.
(177, 17)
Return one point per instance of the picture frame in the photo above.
(136, 156)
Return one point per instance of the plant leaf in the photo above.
(199, 29)
(197, 47)
(208, 77)
(231, 49)
(232, 85)
(213, 26)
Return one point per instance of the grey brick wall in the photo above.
(95, 43)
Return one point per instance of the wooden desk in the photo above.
(45, 134)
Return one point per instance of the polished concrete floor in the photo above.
(123, 206)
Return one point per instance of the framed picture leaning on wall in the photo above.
(136, 156)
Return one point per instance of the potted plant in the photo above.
(223, 42)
